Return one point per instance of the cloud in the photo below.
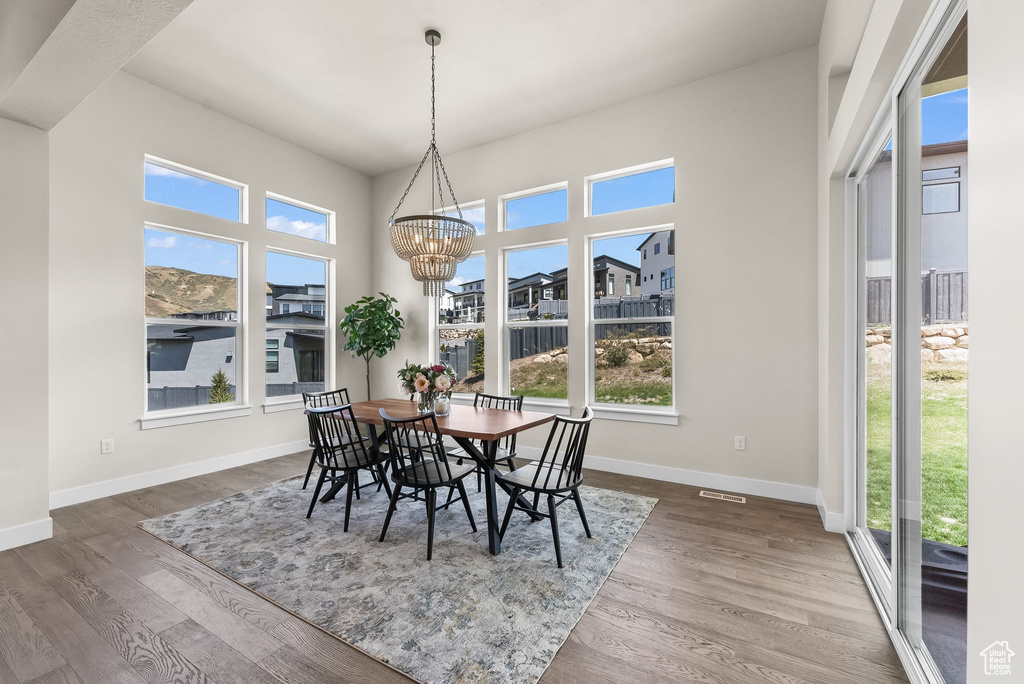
(306, 229)
(166, 242)
(154, 170)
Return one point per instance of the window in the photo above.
(629, 286)
(657, 248)
(536, 321)
(611, 284)
(668, 279)
(296, 324)
(460, 329)
(295, 218)
(536, 208)
(940, 174)
(273, 360)
(940, 198)
(631, 339)
(472, 212)
(192, 321)
(645, 256)
(632, 188)
(179, 186)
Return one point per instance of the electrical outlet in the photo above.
(107, 446)
(740, 443)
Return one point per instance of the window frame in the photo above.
(189, 414)
(437, 326)
(642, 413)
(295, 400)
(503, 201)
(504, 379)
(243, 189)
(588, 184)
(332, 217)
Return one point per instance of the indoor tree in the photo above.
(373, 326)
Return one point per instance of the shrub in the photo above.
(476, 366)
(220, 388)
(945, 374)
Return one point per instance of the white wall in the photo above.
(744, 149)
(97, 365)
(995, 608)
(24, 513)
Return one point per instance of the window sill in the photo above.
(635, 415)
(160, 420)
(559, 408)
(288, 405)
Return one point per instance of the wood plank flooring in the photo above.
(709, 591)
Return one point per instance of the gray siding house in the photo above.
(658, 264)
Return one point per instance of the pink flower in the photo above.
(421, 384)
(438, 368)
(442, 383)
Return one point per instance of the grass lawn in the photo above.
(944, 451)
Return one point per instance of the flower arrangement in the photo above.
(431, 383)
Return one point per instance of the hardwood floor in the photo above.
(708, 591)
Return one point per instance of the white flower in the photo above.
(442, 383)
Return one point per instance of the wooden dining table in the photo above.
(477, 430)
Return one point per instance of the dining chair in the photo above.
(506, 447)
(341, 452)
(338, 397)
(420, 463)
(558, 474)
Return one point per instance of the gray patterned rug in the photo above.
(465, 616)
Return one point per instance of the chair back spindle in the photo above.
(338, 397)
(336, 436)
(416, 449)
(561, 463)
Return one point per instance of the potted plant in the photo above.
(433, 384)
(373, 326)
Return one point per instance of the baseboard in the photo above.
(833, 522)
(696, 478)
(19, 535)
(98, 490)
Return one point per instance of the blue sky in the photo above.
(944, 117)
(178, 189)
(285, 269)
(191, 253)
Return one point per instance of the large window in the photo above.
(472, 212)
(643, 186)
(179, 186)
(297, 218)
(297, 306)
(536, 207)
(192, 320)
(536, 323)
(631, 336)
(460, 330)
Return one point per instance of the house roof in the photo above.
(617, 262)
(166, 332)
(528, 280)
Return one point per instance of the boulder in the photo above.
(635, 357)
(543, 358)
(930, 330)
(953, 332)
(874, 339)
(927, 356)
(952, 355)
(562, 358)
(880, 353)
(666, 345)
(598, 351)
(939, 342)
(962, 341)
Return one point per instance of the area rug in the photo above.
(465, 616)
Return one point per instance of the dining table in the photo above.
(477, 430)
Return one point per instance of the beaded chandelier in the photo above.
(433, 244)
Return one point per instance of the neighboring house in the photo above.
(615, 278)
(282, 299)
(529, 290)
(944, 210)
(468, 302)
(658, 264)
(207, 315)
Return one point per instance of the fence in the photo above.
(460, 356)
(161, 398)
(523, 342)
(943, 298)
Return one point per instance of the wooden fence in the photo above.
(943, 298)
(161, 398)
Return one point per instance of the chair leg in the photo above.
(355, 475)
(479, 479)
(351, 485)
(391, 509)
(451, 495)
(508, 512)
(579, 507)
(316, 494)
(554, 528)
(309, 468)
(465, 502)
(431, 501)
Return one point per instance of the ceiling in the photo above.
(349, 79)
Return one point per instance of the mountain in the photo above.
(175, 290)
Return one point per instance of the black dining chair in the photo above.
(420, 463)
(338, 397)
(506, 447)
(341, 451)
(558, 474)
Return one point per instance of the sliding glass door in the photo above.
(910, 530)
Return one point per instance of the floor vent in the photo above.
(723, 497)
